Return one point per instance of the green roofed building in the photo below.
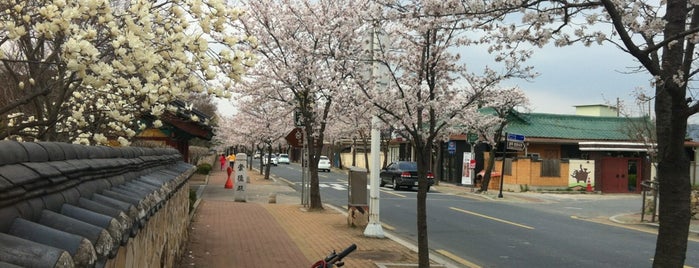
(587, 151)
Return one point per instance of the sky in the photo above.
(578, 75)
(570, 76)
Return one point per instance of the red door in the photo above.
(620, 175)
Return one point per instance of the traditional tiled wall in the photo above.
(68, 205)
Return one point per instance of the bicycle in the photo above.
(334, 259)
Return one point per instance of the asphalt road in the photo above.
(562, 232)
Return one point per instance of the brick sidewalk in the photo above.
(256, 233)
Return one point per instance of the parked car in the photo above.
(402, 174)
(324, 164)
(265, 159)
(283, 159)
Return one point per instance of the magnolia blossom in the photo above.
(118, 60)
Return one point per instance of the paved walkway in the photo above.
(257, 233)
(272, 229)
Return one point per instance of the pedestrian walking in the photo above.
(231, 160)
(222, 159)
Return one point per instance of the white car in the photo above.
(324, 164)
(283, 159)
(265, 158)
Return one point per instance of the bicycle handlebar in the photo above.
(334, 258)
(337, 257)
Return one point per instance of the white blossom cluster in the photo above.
(96, 67)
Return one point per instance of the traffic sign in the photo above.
(515, 142)
(472, 137)
(513, 145)
(515, 137)
(451, 147)
(295, 138)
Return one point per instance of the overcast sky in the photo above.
(573, 76)
(581, 75)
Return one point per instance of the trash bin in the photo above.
(357, 197)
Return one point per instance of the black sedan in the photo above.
(402, 174)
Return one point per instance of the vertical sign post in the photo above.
(241, 177)
(512, 142)
(467, 170)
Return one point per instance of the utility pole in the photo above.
(374, 229)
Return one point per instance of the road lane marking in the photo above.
(392, 193)
(389, 227)
(458, 259)
(492, 218)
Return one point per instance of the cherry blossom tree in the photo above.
(306, 50)
(86, 71)
(660, 35)
(258, 122)
(492, 127)
(424, 89)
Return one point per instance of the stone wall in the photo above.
(67, 205)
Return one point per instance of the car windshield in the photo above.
(322, 157)
(407, 165)
(284, 155)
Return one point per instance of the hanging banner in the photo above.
(581, 172)
(467, 167)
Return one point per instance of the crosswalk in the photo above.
(336, 186)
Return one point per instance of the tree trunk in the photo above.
(488, 170)
(354, 152)
(423, 164)
(366, 150)
(671, 111)
(673, 177)
(269, 160)
(315, 147)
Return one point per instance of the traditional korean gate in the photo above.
(621, 174)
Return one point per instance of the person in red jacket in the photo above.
(222, 159)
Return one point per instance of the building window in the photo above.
(550, 168)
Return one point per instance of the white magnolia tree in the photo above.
(85, 71)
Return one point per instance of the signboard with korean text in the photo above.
(515, 142)
(241, 177)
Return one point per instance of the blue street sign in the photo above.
(451, 147)
(515, 137)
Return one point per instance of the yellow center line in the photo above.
(389, 227)
(492, 218)
(392, 193)
(458, 259)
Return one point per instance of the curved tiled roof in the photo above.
(65, 204)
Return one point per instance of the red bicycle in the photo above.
(334, 259)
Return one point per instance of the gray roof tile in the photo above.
(99, 193)
(12, 152)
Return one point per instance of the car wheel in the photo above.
(395, 185)
(382, 183)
